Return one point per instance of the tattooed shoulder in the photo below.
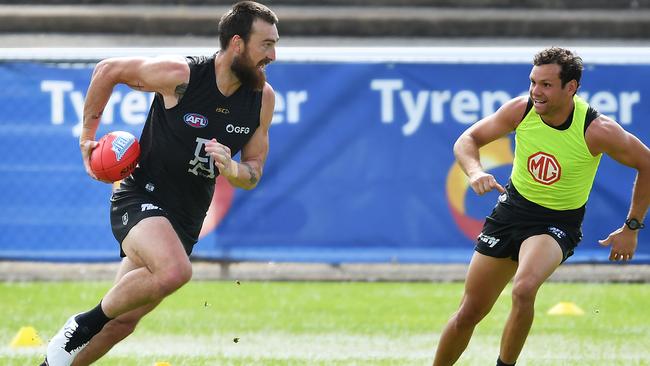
(180, 91)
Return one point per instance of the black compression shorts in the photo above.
(514, 219)
(131, 204)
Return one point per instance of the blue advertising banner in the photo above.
(360, 169)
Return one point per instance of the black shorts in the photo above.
(131, 204)
(515, 219)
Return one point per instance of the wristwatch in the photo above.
(634, 224)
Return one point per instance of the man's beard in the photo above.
(249, 75)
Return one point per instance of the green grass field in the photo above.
(346, 323)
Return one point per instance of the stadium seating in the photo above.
(595, 19)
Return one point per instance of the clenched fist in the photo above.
(221, 155)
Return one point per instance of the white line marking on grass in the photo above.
(547, 349)
(26, 351)
(283, 346)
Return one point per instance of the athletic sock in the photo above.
(89, 324)
(94, 319)
(501, 363)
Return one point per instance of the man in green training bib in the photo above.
(536, 223)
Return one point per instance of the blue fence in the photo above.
(360, 170)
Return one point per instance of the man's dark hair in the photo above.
(571, 64)
(239, 20)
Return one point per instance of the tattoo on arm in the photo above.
(137, 86)
(180, 91)
(251, 172)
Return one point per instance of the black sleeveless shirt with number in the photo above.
(174, 166)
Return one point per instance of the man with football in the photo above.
(157, 212)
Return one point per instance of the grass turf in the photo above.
(346, 323)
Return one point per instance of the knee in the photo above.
(469, 315)
(524, 293)
(174, 277)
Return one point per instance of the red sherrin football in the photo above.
(115, 157)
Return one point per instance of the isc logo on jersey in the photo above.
(195, 120)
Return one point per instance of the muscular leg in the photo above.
(115, 330)
(486, 278)
(163, 267)
(539, 256)
(159, 267)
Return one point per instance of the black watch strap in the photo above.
(634, 224)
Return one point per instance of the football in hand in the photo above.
(115, 157)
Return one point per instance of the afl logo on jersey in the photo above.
(195, 120)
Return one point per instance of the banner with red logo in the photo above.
(360, 167)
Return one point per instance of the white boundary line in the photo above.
(591, 55)
(319, 347)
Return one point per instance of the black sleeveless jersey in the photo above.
(174, 166)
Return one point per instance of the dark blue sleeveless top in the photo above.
(174, 167)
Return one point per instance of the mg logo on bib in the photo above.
(544, 168)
